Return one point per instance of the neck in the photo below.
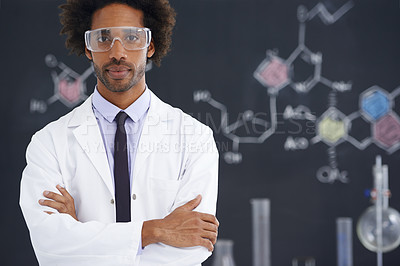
(122, 99)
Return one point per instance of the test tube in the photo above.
(344, 238)
(261, 232)
(385, 176)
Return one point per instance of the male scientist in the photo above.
(123, 179)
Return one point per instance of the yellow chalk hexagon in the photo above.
(332, 126)
(331, 130)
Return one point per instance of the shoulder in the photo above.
(59, 127)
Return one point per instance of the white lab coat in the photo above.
(176, 160)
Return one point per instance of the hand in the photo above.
(63, 203)
(183, 228)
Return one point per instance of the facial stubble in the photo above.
(119, 85)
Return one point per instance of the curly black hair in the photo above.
(158, 16)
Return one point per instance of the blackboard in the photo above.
(217, 47)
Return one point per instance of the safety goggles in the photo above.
(131, 38)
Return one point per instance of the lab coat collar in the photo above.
(109, 111)
(84, 114)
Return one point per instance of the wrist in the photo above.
(151, 232)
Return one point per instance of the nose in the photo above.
(118, 51)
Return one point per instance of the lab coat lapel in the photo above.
(87, 133)
(154, 128)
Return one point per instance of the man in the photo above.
(123, 179)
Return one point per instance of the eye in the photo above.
(102, 39)
(131, 38)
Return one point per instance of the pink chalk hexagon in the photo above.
(70, 90)
(272, 73)
(387, 130)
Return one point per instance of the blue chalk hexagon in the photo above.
(375, 103)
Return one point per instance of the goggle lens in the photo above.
(131, 38)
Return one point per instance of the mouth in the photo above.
(118, 72)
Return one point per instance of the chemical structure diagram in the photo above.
(332, 127)
(69, 86)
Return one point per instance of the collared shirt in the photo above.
(105, 113)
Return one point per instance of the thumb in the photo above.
(192, 204)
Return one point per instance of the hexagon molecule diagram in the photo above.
(332, 126)
(375, 103)
(376, 107)
(273, 73)
(387, 132)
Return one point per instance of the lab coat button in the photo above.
(112, 201)
(134, 196)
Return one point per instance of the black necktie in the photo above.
(121, 171)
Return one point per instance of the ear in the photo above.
(151, 50)
(88, 54)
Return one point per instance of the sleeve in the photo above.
(58, 239)
(200, 177)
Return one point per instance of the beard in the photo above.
(137, 73)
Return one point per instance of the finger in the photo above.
(53, 204)
(208, 218)
(212, 236)
(207, 244)
(192, 204)
(64, 192)
(209, 227)
(49, 212)
(54, 196)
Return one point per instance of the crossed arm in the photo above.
(181, 228)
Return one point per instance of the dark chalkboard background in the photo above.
(217, 45)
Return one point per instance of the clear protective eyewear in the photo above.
(131, 38)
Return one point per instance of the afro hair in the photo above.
(158, 16)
